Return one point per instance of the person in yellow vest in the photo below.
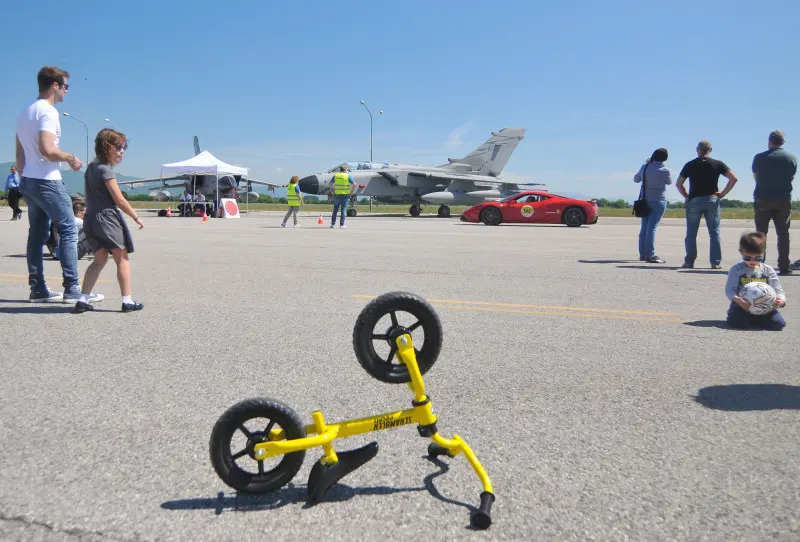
(294, 198)
(342, 185)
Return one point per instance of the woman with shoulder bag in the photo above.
(654, 177)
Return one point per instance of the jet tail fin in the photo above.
(492, 155)
(196, 146)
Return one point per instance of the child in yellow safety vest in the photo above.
(294, 198)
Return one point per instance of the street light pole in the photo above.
(370, 127)
(87, 134)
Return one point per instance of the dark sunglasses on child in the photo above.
(753, 258)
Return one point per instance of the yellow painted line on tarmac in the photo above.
(538, 307)
(551, 313)
(603, 316)
(24, 278)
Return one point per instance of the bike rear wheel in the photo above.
(237, 432)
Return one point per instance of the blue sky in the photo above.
(275, 86)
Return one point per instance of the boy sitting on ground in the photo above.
(84, 248)
(752, 268)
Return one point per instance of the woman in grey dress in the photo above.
(104, 224)
(655, 176)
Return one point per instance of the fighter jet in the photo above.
(229, 185)
(462, 181)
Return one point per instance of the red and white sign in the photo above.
(229, 207)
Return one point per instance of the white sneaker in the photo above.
(93, 297)
(342, 226)
(297, 225)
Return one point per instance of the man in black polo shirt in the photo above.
(703, 200)
(774, 171)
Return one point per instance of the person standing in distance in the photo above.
(294, 198)
(103, 224)
(342, 184)
(655, 176)
(13, 194)
(773, 171)
(703, 200)
(38, 157)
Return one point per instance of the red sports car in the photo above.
(534, 207)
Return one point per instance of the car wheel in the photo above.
(491, 216)
(574, 217)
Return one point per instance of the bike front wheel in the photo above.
(386, 318)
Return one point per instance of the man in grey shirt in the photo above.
(774, 170)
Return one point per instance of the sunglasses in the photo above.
(753, 258)
(65, 86)
(121, 148)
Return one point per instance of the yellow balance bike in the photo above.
(239, 449)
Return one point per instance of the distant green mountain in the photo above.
(72, 179)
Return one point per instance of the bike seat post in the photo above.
(405, 351)
(319, 423)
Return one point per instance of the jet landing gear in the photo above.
(443, 212)
(351, 206)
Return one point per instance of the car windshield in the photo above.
(526, 198)
(360, 166)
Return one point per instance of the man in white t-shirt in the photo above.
(38, 158)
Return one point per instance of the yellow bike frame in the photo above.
(422, 415)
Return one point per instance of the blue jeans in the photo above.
(339, 202)
(49, 200)
(741, 319)
(708, 207)
(647, 233)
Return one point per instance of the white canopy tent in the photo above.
(204, 163)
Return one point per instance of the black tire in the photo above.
(233, 419)
(352, 212)
(574, 217)
(364, 336)
(443, 212)
(414, 210)
(491, 216)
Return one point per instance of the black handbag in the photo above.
(640, 206)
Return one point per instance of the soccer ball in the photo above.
(760, 295)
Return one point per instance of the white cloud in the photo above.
(519, 178)
(455, 139)
(610, 176)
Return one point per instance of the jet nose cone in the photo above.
(309, 185)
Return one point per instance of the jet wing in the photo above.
(390, 177)
(477, 179)
(160, 180)
(273, 186)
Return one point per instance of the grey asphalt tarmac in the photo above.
(603, 395)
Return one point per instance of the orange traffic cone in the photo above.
(205, 217)
(169, 210)
(319, 220)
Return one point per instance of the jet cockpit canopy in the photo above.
(361, 166)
